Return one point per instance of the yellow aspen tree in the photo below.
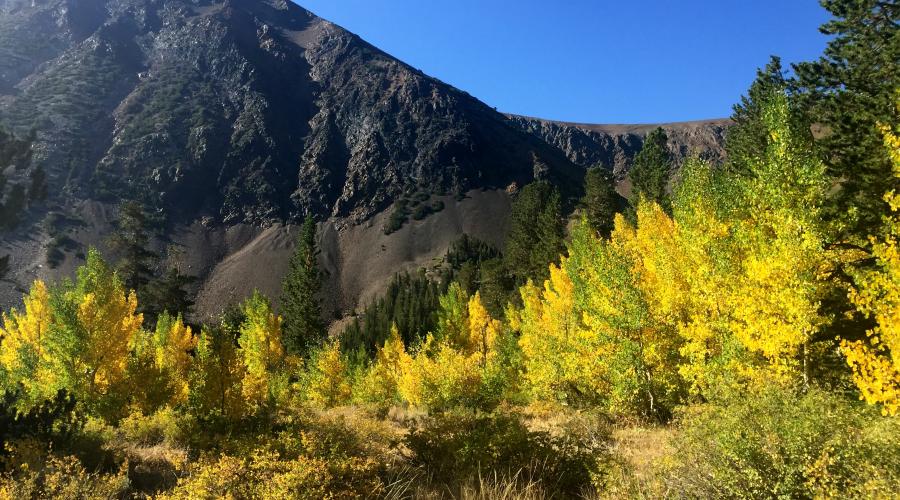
(23, 353)
(453, 316)
(381, 383)
(640, 349)
(449, 377)
(753, 263)
(173, 342)
(483, 330)
(329, 384)
(563, 360)
(261, 352)
(779, 241)
(875, 363)
(107, 323)
(413, 371)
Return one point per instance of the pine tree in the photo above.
(601, 202)
(748, 137)
(138, 266)
(536, 233)
(132, 241)
(37, 191)
(847, 93)
(300, 306)
(650, 172)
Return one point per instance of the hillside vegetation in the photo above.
(734, 333)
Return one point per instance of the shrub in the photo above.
(63, 478)
(398, 217)
(453, 447)
(420, 212)
(787, 445)
(164, 426)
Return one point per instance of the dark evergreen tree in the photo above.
(601, 201)
(168, 292)
(38, 189)
(845, 94)
(495, 285)
(748, 137)
(410, 302)
(535, 235)
(4, 266)
(300, 300)
(140, 267)
(650, 172)
(131, 241)
(14, 152)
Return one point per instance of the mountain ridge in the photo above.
(237, 116)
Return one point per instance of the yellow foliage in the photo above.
(381, 383)
(110, 324)
(161, 364)
(216, 375)
(63, 478)
(261, 351)
(483, 329)
(23, 354)
(876, 363)
(329, 384)
(455, 367)
(267, 475)
(448, 378)
(560, 354)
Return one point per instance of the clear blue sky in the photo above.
(596, 61)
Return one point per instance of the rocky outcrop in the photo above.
(614, 146)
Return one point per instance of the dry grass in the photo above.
(642, 453)
(411, 484)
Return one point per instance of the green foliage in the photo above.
(410, 302)
(650, 172)
(784, 444)
(398, 217)
(748, 137)
(601, 201)
(415, 206)
(300, 297)
(139, 266)
(536, 233)
(847, 93)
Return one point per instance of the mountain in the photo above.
(235, 119)
(614, 146)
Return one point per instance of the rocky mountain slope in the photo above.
(614, 146)
(234, 119)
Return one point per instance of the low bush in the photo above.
(62, 478)
(784, 444)
(454, 446)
